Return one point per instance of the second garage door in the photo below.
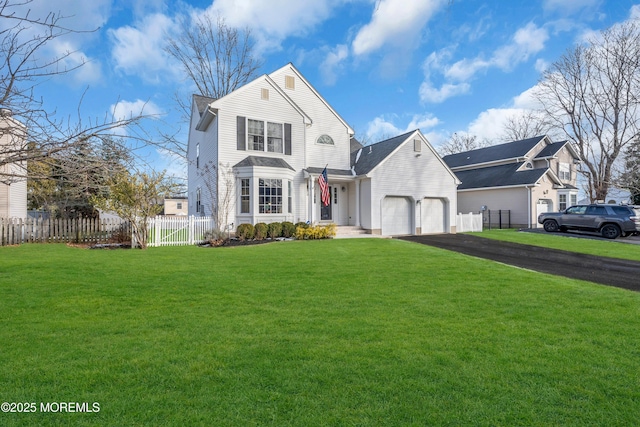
(397, 216)
(433, 216)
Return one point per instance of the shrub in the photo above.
(261, 231)
(245, 231)
(288, 229)
(274, 230)
(302, 224)
(316, 232)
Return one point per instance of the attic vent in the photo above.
(417, 145)
(528, 165)
(289, 82)
(265, 94)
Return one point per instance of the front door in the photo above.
(325, 211)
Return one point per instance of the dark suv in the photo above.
(611, 221)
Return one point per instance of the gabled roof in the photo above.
(499, 176)
(202, 102)
(552, 149)
(369, 156)
(355, 145)
(510, 150)
(269, 162)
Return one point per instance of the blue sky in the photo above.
(386, 66)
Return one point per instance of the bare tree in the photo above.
(630, 177)
(219, 183)
(527, 124)
(28, 130)
(460, 142)
(591, 93)
(216, 58)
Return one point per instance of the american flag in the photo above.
(323, 182)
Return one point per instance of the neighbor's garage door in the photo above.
(397, 215)
(433, 216)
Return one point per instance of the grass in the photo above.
(564, 241)
(336, 333)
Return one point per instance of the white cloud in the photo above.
(85, 70)
(526, 42)
(140, 50)
(428, 93)
(635, 12)
(271, 21)
(332, 63)
(568, 7)
(395, 22)
(382, 128)
(124, 110)
(490, 123)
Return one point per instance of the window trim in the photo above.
(326, 144)
(267, 199)
(265, 136)
(244, 196)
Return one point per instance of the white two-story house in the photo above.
(255, 155)
(13, 176)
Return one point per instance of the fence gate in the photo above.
(178, 230)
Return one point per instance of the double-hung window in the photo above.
(564, 171)
(274, 137)
(255, 130)
(562, 202)
(270, 196)
(256, 136)
(245, 195)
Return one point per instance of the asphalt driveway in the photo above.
(606, 271)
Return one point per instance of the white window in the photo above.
(562, 202)
(199, 207)
(325, 139)
(256, 136)
(245, 195)
(289, 197)
(197, 156)
(270, 196)
(574, 199)
(274, 138)
(564, 171)
(255, 129)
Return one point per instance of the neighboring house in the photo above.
(13, 176)
(176, 206)
(526, 177)
(255, 156)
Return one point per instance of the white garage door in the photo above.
(433, 216)
(397, 215)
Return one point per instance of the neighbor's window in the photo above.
(562, 201)
(255, 129)
(197, 156)
(274, 137)
(179, 205)
(245, 196)
(198, 201)
(574, 199)
(270, 196)
(564, 171)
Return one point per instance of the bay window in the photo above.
(269, 196)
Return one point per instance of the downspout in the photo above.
(528, 205)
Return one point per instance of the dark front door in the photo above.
(325, 211)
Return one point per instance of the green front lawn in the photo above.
(336, 332)
(566, 242)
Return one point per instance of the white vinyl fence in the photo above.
(468, 222)
(179, 230)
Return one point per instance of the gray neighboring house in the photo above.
(263, 147)
(526, 177)
(13, 176)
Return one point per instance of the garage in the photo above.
(397, 216)
(433, 216)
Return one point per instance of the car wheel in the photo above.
(550, 226)
(610, 231)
